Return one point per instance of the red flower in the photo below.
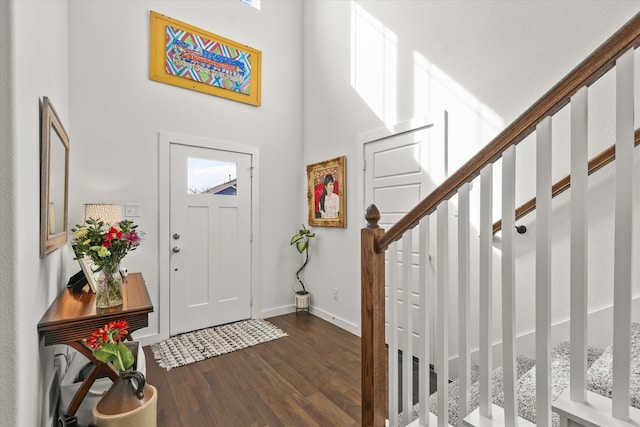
(112, 332)
(106, 244)
(133, 237)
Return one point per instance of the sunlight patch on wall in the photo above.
(253, 3)
(473, 123)
(375, 51)
(374, 57)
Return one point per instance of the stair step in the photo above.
(523, 365)
(594, 414)
(600, 374)
(474, 419)
(599, 383)
(560, 370)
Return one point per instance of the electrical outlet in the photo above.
(335, 294)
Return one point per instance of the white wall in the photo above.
(8, 373)
(385, 62)
(118, 113)
(38, 66)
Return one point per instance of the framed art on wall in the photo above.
(54, 180)
(326, 193)
(186, 56)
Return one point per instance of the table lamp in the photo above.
(107, 213)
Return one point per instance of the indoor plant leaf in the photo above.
(118, 354)
(301, 245)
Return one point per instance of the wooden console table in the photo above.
(73, 317)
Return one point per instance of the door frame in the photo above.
(165, 139)
(434, 120)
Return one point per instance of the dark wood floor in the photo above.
(310, 378)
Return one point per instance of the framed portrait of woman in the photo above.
(326, 193)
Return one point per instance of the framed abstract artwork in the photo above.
(185, 56)
(326, 193)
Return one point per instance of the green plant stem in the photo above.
(306, 253)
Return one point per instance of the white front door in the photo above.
(210, 227)
(400, 170)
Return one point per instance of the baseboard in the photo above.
(339, 322)
(277, 311)
(149, 339)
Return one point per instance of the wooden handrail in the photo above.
(595, 164)
(585, 74)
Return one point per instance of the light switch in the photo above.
(131, 209)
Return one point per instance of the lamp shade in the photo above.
(104, 212)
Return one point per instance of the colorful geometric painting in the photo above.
(193, 57)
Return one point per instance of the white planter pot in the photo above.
(302, 302)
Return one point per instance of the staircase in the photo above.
(407, 291)
(599, 380)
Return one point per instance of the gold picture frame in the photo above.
(189, 57)
(54, 180)
(327, 208)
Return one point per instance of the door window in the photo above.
(215, 177)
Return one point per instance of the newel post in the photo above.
(374, 359)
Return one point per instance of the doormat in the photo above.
(203, 344)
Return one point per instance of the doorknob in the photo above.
(176, 236)
(176, 249)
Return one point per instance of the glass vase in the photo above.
(109, 288)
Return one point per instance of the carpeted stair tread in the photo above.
(523, 364)
(599, 380)
(454, 392)
(600, 375)
(560, 370)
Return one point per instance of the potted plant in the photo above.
(301, 240)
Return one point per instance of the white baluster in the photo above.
(426, 298)
(442, 322)
(463, 303)
(392, 340)
(407, 331)
(508, 285)
(579, 284)
(623, 233)
(486, 290)
(543, 272)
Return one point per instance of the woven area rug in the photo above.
(199, 345)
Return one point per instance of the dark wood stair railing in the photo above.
(374, 241)
(595, 164)
(374, 360)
